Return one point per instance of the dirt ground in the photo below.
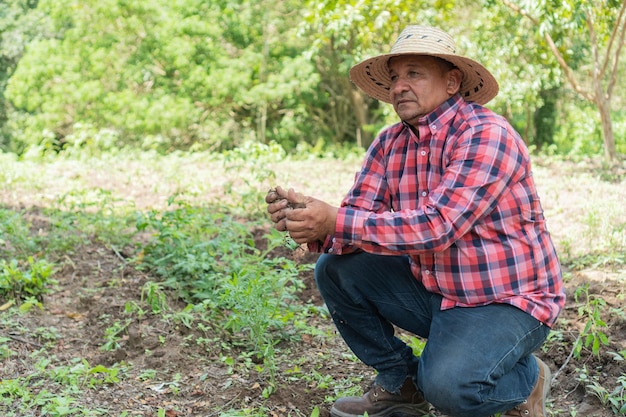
(194, 380)
(97, 282)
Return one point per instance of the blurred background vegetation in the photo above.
(93, 76)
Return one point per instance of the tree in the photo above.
(165, 75)
(602, 29)
(20, 24)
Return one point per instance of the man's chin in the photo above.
(407, 116)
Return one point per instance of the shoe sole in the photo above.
(400, 410)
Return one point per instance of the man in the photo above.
(443, 235)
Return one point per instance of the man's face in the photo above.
(419, 84)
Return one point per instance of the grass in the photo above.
(189, 221)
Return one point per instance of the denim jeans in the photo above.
(476, 362)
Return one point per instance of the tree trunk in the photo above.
(361, 112)
(607, 130)
(604, 107)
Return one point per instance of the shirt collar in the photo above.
(441, 115)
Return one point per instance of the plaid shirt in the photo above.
(457, 195)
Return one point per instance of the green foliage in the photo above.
(80, 373)
(20, 23)
(15, 238)
(80, 215)
(615, 398)
(60, 396)
(113, 335)
(154, 297)
(591, 311)
(161, 75)
(211, 259)
(21, 282)
(545, 118)
(257, 295)
(86, 77)
(579, 133)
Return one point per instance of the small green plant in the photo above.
(5, 350)
(20, 281)
(59, 405)
(15, 238)
(185, 316)
(147, 375)
(80, 373)
(112, 335)
(152, 294)
(212, 259)
(591, 310)
(616, 398)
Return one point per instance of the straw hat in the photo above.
(372, 75)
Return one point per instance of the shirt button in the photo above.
(330, 250)
(427, 272)
(423, 153)
(424, 193)
(433, 127)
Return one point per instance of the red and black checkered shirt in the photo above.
(457, 195)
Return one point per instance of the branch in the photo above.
(28, 342)
(569, 357)
(555, 50)
(619, 25)
(597, 73)
(614, 34)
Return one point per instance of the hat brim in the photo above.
(372, 76)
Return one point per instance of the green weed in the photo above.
(113, 335)
(15, 241)
(591, 311)
(5, 350)
(21, 281)
(614, 399)
(63, 387)
(211, 258)
(79, 373)
(154, 297)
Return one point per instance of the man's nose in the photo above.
(399, 85)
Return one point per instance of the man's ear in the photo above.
(455, 78)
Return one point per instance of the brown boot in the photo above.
(535, 404)
(378, 402)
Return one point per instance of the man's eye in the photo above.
(394, 77)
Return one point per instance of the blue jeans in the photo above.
(477, 361)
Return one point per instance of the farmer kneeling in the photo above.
(442, 235)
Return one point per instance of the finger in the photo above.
(281, 192)
(281, 226)
(299, 237)
(277, 206)
(294, 197)
(296, 228)
(271, 196)
(277, 216)
(275, 194)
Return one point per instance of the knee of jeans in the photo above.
(321, 269)
(447, 390)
